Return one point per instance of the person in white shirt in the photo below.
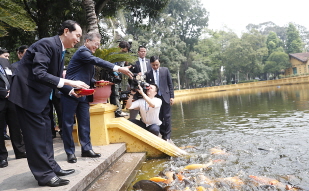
(149, 107)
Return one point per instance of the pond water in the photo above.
(263, 132)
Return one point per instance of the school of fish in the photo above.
(193, 177)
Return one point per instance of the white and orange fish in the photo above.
(215, 151)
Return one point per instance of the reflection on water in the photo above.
(265, 132)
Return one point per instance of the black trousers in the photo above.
(39, 143)
(8, 117)
(165, 117)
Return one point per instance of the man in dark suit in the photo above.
(81, 67)
(142, 65)
(162, 77)
(9, 117)
(36, 75)
(7, 67)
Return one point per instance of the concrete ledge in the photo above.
(120, 175)
(17, 175)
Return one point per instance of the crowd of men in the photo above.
(33, 86)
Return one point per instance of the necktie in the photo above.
(144, 66)
(158, 82)
(62, 56)
(3, 75)
(1, 70)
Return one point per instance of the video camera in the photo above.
(139, 80)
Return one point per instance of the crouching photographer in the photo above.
(149, 107)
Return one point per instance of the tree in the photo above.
(11, 15)
(211, 52)
(48, 15)
(293, 43)
(273, 42)
(277, 62)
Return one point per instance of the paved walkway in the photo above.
(17, 175)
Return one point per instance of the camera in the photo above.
(139, 80)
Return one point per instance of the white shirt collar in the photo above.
(63, 49)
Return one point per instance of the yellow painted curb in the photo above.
(140, 140)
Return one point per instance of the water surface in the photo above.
(264, 131)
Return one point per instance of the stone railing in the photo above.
(279, 82)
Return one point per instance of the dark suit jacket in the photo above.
(81, 66)
(135, 69)
(37, 74)
(166, 85)
(6, 64)
(3, 90)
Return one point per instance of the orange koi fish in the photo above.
(198, 166)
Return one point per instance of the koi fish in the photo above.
(198, 166)
(180, 176)
(264, 180)
(158, 179)
(170, 177)
(215, 151)
(148, 185)
(202, 179)
(270, 181)
(234, 181)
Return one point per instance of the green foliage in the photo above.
(13, 15)
(293, 43)
(114, 55)
(277, 62)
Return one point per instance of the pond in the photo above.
(262, 134)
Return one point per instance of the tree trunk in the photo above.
(91, 17)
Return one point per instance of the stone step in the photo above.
(119, 175)
(17, 175)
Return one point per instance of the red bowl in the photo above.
(102, 83)
(84, 91)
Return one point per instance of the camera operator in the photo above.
(115, 97)
(141, 66)
(149, 107)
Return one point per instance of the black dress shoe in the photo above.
(56, 181)
(21, 155)
(65, 172)
(6, 137)
(118, 114)
(91, 154)
(3, 163)
(71, 158)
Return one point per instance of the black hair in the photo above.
(157, 88)
(22, 48)
(154, 58)
(2, 51)
(141, 46)
(124, 44)
(69, 24)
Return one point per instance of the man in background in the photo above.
(20, 53)
(142, 65)
(8, 117)
(4, 54)
(7, 67)
(162, 77)
(115, 95)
